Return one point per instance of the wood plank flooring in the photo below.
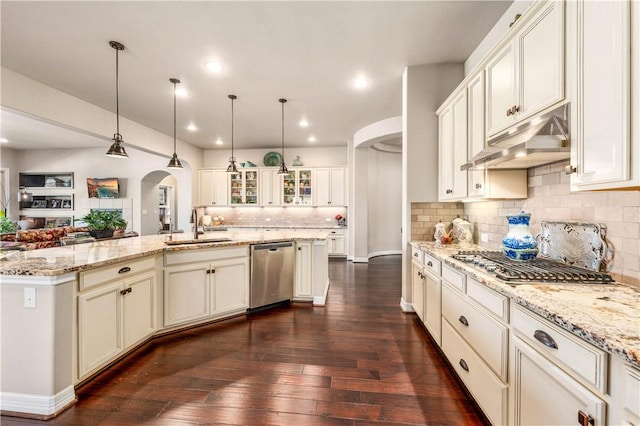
(357, 361)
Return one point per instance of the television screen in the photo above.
(103, 188)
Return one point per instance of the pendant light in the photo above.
(283, 168)
(174, 163)
(232, 168)
(117, 149)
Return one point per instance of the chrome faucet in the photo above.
(194, 219)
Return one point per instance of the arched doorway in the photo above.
(158, 202)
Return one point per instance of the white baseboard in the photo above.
(384, 253)
(406, 307)
(36, 404)
(360, 260)
(322, 300)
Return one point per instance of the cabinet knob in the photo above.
(570, 169)
(123, 292)
(463, 321)
(415, 254)
(429, 263)
(509, 112)
(478, 185)
(584, 419)
(328, 202)
(516, 108)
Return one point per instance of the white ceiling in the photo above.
(307, 52)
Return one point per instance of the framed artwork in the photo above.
(55, 203)
(66, 204)
(39, 204)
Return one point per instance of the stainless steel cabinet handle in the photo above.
(463, 364)
(463, 321)
(545, 339)
(123, 270)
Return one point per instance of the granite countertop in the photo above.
(80, 257)
(605, 315)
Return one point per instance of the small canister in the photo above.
(440, 232)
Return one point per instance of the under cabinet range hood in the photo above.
(540, 140)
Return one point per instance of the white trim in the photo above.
(384, 253)
(36, 404)
(322, 300)
(360, 259)
(48, 280)
(350, 258)
(405, 306)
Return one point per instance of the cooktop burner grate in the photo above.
(535, 270)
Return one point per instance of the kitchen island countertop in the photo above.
(605, 315)
(80, 257)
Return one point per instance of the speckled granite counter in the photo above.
(607, 316)
(60, 260)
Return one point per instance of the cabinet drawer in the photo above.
(204, 255)
(121, 270)
(454, 277)
(587, 361)
(417, 255)
(489, 392)
(493, 302)
(632, 391)
(432, 264)
(487, 336)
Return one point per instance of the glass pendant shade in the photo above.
(116, 150)
(232, 168)
(174, 163)
(283, 169)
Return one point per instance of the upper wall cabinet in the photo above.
(604, 41)
(330, 186)
(213, 187)
(270, 187)
(452, 152)
(527, 74)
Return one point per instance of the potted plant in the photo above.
(7, 226)
(102, 223)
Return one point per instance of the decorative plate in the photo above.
(272, 159)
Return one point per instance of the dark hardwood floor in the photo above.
(357, 361)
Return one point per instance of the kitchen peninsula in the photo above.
(68, 312)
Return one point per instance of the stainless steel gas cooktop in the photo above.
(535, 270)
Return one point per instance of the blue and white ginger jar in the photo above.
(519, 243)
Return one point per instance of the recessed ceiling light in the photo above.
(181, 92)
(219, 141)
(192, 127)
(361, 82)
(304, 123)
(4, 140)
(215, 66)
(312, 138)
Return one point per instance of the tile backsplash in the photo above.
(550, 198)
(276, 216)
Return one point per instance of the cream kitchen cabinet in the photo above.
(337, 243)
(486, 183)
(417, 289)
(116, 311)
(213, 187)
(555, 377)
(452, 152)
(303, 273)
(298, 188)
(432, 298)
(243, 188)
(329, 186)
(205, 284)
(604, 40)
(270, 187)
(527, 74)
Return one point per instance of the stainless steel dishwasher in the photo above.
(272, 268)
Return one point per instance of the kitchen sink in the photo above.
(198, 241)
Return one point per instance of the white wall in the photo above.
(8, 161)
(499, 29)
(312, 157)
(424, 88)
(91, 163)
(384, 203)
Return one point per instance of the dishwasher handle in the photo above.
(271, 247)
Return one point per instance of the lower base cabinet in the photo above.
(113, 317)
(303, 272)
(417, 289)
(543, 394)
(205, 284)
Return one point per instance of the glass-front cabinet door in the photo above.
(244, 188)
(297, 188)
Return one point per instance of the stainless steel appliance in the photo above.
(272, 269)
(535, 270)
